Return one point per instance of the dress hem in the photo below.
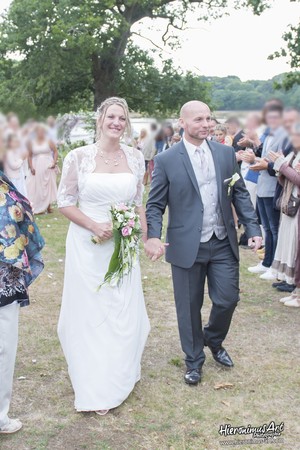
(107, 407)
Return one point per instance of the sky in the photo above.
(238, 44)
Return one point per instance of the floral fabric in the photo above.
(20, 245)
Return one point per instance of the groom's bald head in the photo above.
(195, 120)
(193, 107)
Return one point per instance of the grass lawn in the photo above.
(162, 413)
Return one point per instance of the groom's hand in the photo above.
(154, 248)
(255, 243)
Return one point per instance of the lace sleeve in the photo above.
(138, 200)
(68, 187)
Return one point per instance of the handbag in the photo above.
(292, 206)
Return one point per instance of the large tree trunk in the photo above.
(104, 73)
(106, 69)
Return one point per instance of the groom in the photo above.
(195, 179)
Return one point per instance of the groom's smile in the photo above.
(195, 120)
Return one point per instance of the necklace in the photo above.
(115, 161)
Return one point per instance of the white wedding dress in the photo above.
(103, 333)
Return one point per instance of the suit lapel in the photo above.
(188, 166)
(215, 155)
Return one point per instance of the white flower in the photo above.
(231, 181)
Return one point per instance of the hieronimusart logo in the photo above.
(265, 430)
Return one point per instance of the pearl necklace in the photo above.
(115, 161)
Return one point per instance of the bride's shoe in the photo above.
(102, 412)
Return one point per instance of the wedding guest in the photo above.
(41, 182)
(159, 142)
(142, 139)
(52, 129)
(149, 151)
(176, 127)
(221, 136)
(290, 117)
(168, 134)
(266, 187)
(287, 257)
(14, 163)
(252, 126)
(13, 123)
(176, 138)
(212, 127)
(235, 132)
(102, 333)
(20, 264)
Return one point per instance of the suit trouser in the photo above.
(9, 319)
(217, 263)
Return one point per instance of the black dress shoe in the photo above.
(221, 356)
(192, 376)
(280, 283)
(286, 288)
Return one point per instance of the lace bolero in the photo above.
(81, 161)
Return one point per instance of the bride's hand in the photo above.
(154, 248)
(103, 230)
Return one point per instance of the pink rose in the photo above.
(126, 231)
(122, 207)
(131, 223)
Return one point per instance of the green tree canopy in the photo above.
(62, 53)
(230, 93)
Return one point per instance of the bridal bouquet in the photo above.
(126, 234)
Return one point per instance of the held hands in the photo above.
(154, 248)
(255, 243)
(103, 230)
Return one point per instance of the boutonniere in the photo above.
(231, 182)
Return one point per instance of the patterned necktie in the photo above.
(203, 159)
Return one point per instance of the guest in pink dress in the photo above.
(42, 160)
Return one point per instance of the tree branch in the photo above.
(151, 42)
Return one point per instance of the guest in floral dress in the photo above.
(20, 264)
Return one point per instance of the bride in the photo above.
(103, 333)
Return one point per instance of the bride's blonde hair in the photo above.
(102, 109)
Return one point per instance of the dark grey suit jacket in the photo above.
(174, 185)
